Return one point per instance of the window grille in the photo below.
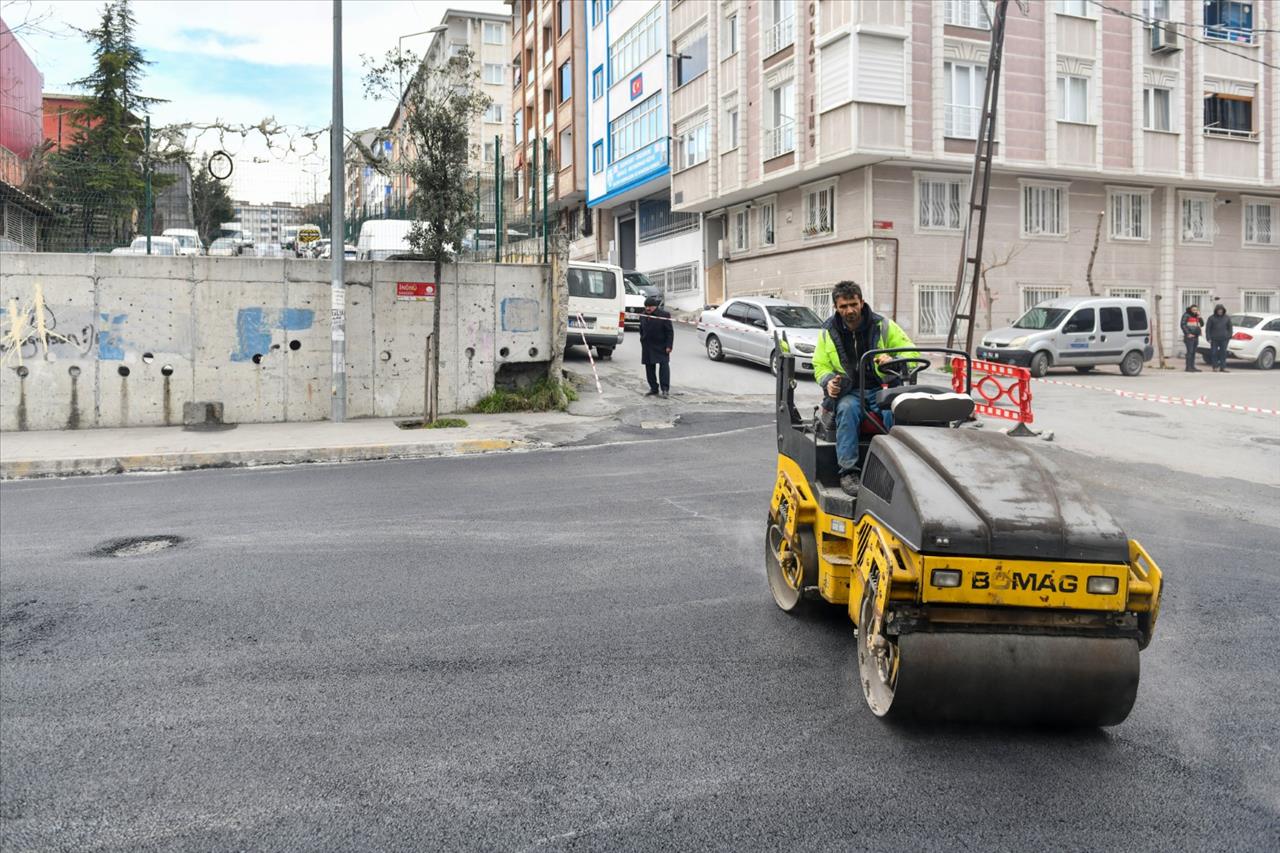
(933, 309)
(1035, 294)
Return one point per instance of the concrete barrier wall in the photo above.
(119, 340)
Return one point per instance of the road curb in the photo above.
(30, 469)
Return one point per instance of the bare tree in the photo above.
(1097, 238)
(999, 261)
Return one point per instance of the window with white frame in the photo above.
(1034, 294)
(939, 202)
(767, 213)
(1156, 10)
(835, 83)
(1258, 301)
(691, 145)
(778, 25)
(963, 85)
(1156, 112)
(493, 73)
(729, 35)
(566, 148)
(1130, 212)
(933, 309)
(636, 45)
(780, 132)
(967, 13)
(1079, 8)
(1192, 296)
(1129, 292)
(820, 210)
(819, 299)
(741, 231)
(1260, 222)
(1044, 210)
(729, 134)
(1073, 98)
(493, 113)
(493, 32)
(490, 152)
(1197, 219)
(637, 127)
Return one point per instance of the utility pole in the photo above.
(338, 293)
(147, 169)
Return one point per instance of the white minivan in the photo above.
(188, 240)
(597, 306)
(381, 239)
(1075, 331)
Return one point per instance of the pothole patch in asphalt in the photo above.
(1138, 413)
(136, 546)
(1266, 439)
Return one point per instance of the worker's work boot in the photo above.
(849, 482)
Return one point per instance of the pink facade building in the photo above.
(842, 135)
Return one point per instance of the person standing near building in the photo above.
(1191, 327)
(656, 338)
(1218, 330)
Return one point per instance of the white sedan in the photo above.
(1256, 338)
(745, 328)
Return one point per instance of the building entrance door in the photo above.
(627, 243)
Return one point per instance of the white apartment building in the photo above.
(266, 222)
(842, 135)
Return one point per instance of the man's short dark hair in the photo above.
(845, 290)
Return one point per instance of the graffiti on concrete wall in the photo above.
(254, 327)
(32, 329)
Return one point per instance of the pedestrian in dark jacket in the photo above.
(1218, 330)
(1191, 327)
(656, 338)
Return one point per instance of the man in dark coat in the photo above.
(1191, 328)
(656, 338)
(1218, 330)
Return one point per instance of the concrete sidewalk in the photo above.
(62, 453)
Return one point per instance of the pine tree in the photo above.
(210, 202)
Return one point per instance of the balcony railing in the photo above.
(1230, 133)
(780, 139)
(1236, 35)
(962, 121)
(780, 35)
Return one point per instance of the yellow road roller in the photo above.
(984, 583)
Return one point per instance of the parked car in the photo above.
(349, 252)
(224, 247)
(744, 328)
(265, 250)
(1075, 331)
(159, 246)
(188, 240)
(380, 239)
(1256, 338)
(596, 307)
(637, 288)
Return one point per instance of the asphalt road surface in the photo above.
(570, 650)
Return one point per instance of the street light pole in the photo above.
(338, 293)
(404, 178)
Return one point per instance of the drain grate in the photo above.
(136, 546)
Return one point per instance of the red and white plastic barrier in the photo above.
(1011, 401)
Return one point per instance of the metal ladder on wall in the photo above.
(969, 271)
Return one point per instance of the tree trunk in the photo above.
(1097, 237)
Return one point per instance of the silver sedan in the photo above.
(745, 328)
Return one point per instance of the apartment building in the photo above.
(548, 57)
(367, 191)
(488, 36)
(842, 136)
(628, 146)
(266, 223)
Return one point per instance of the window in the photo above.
(457, 49)
(636, 45)
(493, 73)
(1258, 301)
(566, 80)
(691, 61)
(493, 32)
(1137, 317)
(835, 83)
(683, 279)
(820, 211)
(1155, 109)
(933, 310)
(597, 157)
(766, 223)
(964, 86)
(493, 113)
(780, 136)
(741, 237)
(1192, 296)
(940, 207)
(1229, 20)
(1079, 8)
(490, 152)
(1197, 219)
(1157, 10)
(1084, 320)
(729, 138)
(597, 12)
(1044, 210)
(654, 220)
(1260, 223)
(729, 36)
(779, 26)
(1130, 214)
(592, 283)
(1128, 292)
(691, 146)
(565, 16)
(967, 13)
(597, 83)
(1228, 115)
(548, 115)
(1073, 98)
(880, 71)
(547, 45)
(566, 148)
(819, 299)
(1034, 294)
(1111, 319)
(636, 128)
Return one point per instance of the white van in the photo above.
(188, 240)
(159, 246)
(597, 306)
(381, 238)
(1075, 331)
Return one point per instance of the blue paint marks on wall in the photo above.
(519, 314)
(254, 327)
(110, 342)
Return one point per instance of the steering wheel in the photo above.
(904, 370)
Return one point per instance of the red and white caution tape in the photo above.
(1170, 399)
(582, 328)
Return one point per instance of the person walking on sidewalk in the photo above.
(1218, 330)
(656, 338)
(1191, 327)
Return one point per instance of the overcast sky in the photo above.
(240, 61)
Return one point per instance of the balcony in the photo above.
(780, 139)
(1230, 133)
(780, 35)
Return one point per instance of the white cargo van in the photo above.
(188, 240)
(597, 306)
(382, 238)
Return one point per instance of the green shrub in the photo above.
(542, 396)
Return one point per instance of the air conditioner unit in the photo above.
(1164, 38)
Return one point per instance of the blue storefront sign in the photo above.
(637, 165)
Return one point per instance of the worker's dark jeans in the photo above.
(849, 413)
(1192, 344)
(1218, 354)
(658, 373)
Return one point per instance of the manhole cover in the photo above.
(1138, 413)
(1266, 439)
(136, 546)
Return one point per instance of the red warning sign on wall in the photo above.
(415, 291)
